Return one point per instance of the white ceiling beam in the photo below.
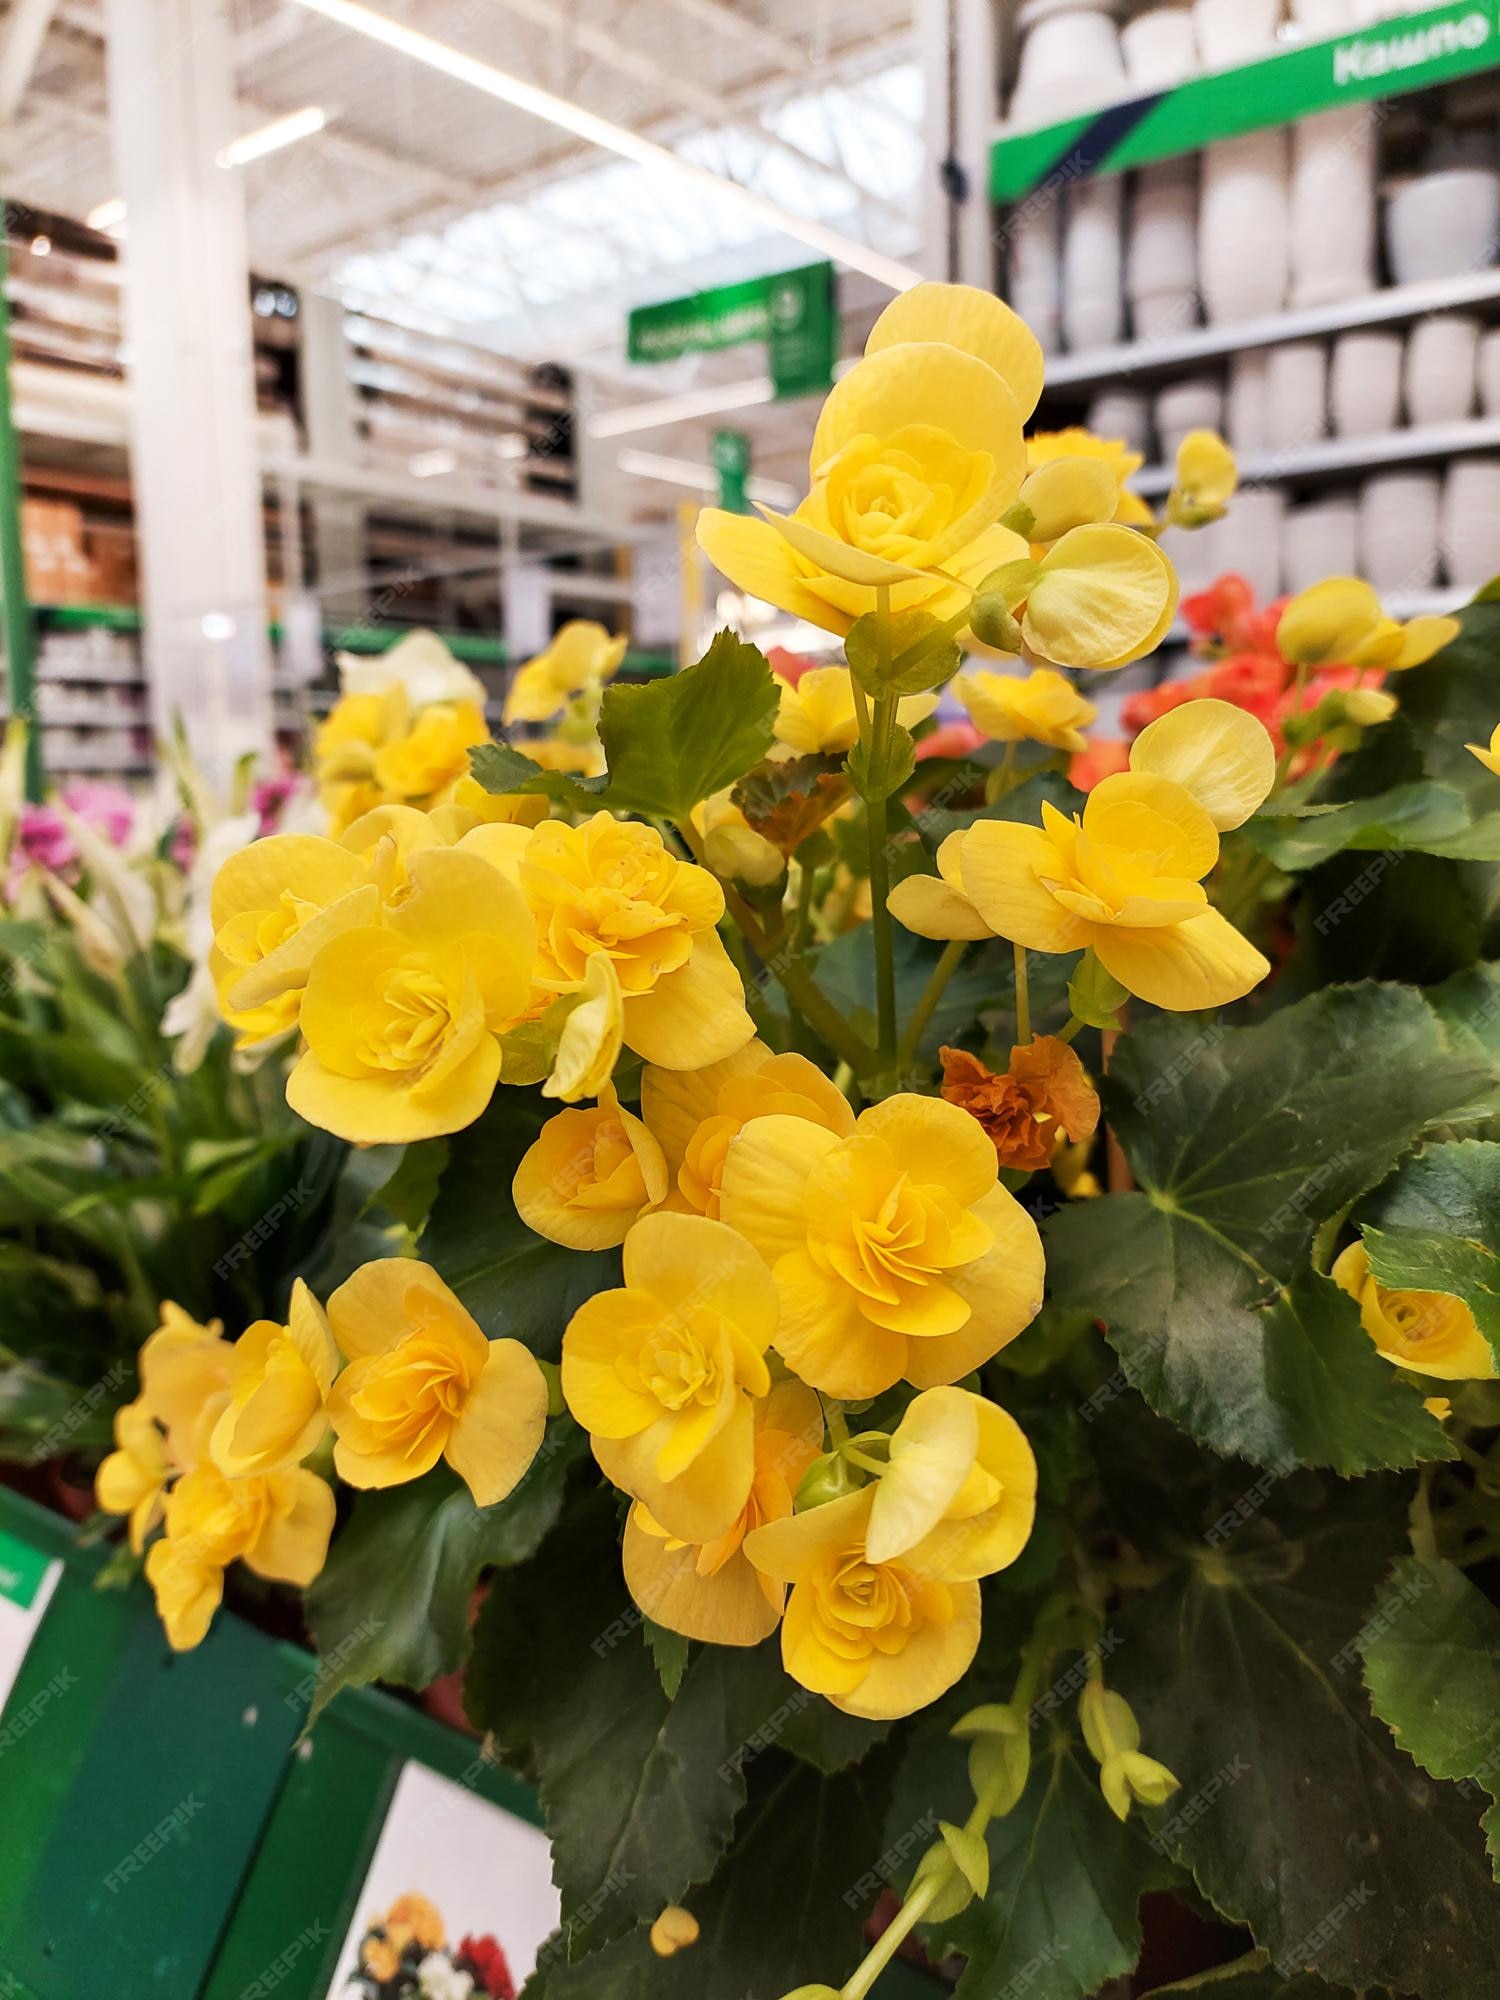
(26, 27)
(741, 101)
(725, 21)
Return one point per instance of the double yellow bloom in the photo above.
(918, 457)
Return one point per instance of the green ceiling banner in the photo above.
(1406, 52)
(794, 312)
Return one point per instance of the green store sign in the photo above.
(1407, 52)
(22, 1569)
(794, 312)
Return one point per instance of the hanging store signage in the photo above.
(1406, 52)
(794, 312)
(731, 460)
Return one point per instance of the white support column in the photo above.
(194, 456)
(960, 62)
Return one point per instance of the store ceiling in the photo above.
(423, 196)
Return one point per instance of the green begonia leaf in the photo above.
(1243, 1142)
(1432, 1666)
(1298, 1814)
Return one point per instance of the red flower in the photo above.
(483, 1957)
(1212, 613)
(1101, 760)
(1139, 709)
(950, 739)
(788, 666)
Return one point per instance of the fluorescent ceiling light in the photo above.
(432, 464)
(701, 478)
(679, 409)
(108, 215)
(597, 131)
(271, 138)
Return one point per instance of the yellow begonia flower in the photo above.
(274, 905)
(1101, 598)
(1046, 447)
(402, 1021)
(674, 1930)
(664, 1373)
(1431, 1333)
(429, 759)
(277, 1525)
(420, 664)
(1489, 757)
(1366, 707)
(895, 1251)
(817, 717)
(731, 846)
(971, 319)
(1207, 476)
(1045, 708)
(1327, 624)
(1422, 639)
(711, 1590)
(344, 748)
(878, 1639)
(1067, 493)
(697, 1113)
(279, 1378)
(582, 656)
(959, 1492)
(938, 906)
(592, 1036)
(917, 453)
(184, 1369)
(423, 1383)
(1219, 753)
(590, 1176)
(485, 808)
(133, 1479)
(612, 886)
(1125, 879)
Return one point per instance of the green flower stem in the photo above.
(1023, 999)
(1073, 1030)
(882, 732)
(895, 1935)
(802, 921)
(804, 992)
(926, 1007)
(1283, 768)
(833, 1416)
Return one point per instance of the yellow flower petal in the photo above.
(765, 1180)
(975, 320)
(1185, 968)
(930, 908)
(1002, 1288)
(916, 384)
(693, 1016)
(1006, 868)
(935, 1143)
(931, 1453)
(499, 1429)
(1069, 493)
(759, 561)
(1106, 596)
(1326, 625)
(1219, 753)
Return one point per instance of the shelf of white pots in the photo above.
(1383, 59)
(1333, 456)
(1396, 305)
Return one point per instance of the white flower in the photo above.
(421, 663)
(441, 1980)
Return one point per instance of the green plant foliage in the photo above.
(1244, 1142)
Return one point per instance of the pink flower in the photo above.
(44, 839)
(269, 798)
(107, 808)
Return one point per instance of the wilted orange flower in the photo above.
(419, 1918)
(1043, 1095)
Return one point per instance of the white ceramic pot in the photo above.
(1036, 272)
(1246, 415)
(1319, 540)
(1243, 228)
(1442, 363)
(1398, 531)
(1235, 31)
(1333, 206)
(1470, 531)
(1489, 373)
(1296, 395)
(1070, 59)
(1364, 384)
(1163, 250)
(1443, 225)
(1160, 47)
(1124, 414)
(1255, 519)
(1195, 405)
(1093, 303)
(1317, 18)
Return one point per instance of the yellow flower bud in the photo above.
(674, 1930)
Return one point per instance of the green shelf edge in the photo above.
(1293, 83)
(475, 648)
